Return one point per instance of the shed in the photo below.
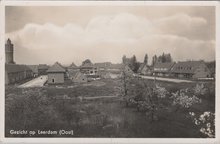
(56, 74)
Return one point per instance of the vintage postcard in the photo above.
(103, 72)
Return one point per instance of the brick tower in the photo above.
(9, 52)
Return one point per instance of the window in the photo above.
(53, 80)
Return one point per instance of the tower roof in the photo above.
(9, 41)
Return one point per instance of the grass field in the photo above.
(45, 109)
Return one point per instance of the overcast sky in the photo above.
(106, 33)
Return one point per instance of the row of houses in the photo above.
(184, 69)
(89, 71)
(84, 73)
(57, 73)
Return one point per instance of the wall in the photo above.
(58, 78)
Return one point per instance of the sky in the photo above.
(46, 34)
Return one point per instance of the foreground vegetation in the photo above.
(63, 107)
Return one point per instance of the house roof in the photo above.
(186, 67)
(43, 66)
(103, 65)
(163, 66)
(72, 65)
(56, 68)
(79, 74)
(72, 73)
(12, 68)
(142, 66)
(76, 74)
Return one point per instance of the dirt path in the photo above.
(37, 82)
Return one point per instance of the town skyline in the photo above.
(105, 34)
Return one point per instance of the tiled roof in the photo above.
(13, 68)
(142, 66)
(163, 66)
(186, 67)
(56, 68)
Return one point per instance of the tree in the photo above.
(124, 87)
(134, 64)
(168, 58)
(154, 60)
(146, 59)
(86, 61)
(165, 58)
(124, 59)
(205, 122)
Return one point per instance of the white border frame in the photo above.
(105, 3)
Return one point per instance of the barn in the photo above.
(56, 74)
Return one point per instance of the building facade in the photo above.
(191, 69)
(16, 73)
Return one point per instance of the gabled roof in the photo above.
(56, 68)
(72, 73)
(186, 66)
(163, 66)
(13, 68)
(79, 74)
(72, 65)
(142, 66)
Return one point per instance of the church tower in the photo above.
(9, 52)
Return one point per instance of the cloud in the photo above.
(108, 37)
(183, 25)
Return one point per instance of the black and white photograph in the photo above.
(110, 71)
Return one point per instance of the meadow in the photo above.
(66, 107)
